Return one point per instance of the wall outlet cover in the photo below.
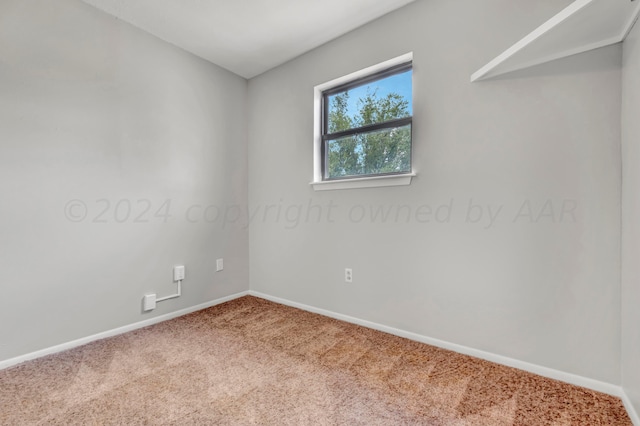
(149, 302)
(348, 275)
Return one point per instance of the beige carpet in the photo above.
(253, 362)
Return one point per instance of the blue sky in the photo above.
(399, 83)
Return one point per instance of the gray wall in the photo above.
(630, 217)
(93, 109)
(539, 289)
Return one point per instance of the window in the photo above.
(366, 124)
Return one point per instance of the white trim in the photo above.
(317, 105)
(533, 368)
(633, 414)
(364, 182)
(116, 331)
(551, 373)
(407, 57)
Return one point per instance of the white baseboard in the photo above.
(573, 379)
(631, 410)
(116, 331)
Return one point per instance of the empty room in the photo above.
(320, 212)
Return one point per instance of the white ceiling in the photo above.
(247, 37)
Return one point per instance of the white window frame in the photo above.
(359, 182)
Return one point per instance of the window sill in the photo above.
(364, 182)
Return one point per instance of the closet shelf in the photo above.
(583, 25)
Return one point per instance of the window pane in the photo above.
(371, 103)
(382, 151)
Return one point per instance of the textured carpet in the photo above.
(250, 361)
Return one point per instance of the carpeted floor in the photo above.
(254, 362)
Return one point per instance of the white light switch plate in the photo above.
(219, 265)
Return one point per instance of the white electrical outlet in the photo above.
(149, 302)
(219, 265)
(178, 273)
(348, 275)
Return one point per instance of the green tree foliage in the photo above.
(382, 151)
